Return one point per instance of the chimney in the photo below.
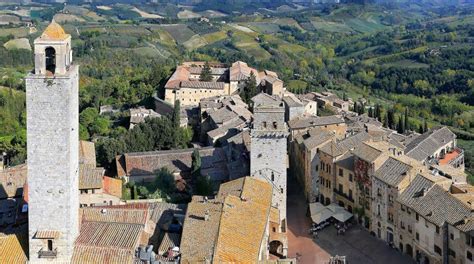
(206, 216)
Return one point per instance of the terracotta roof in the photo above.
(90, 255)
(202, 85)
(13, 248)
(199, 235)
(12, 181)
(54, 32)
(90, 177)
(87, 153)
(110, 235)
(115, 215)
(313, 121)
(43, 234)
(146, 163)
(243, 223)
(240, 71)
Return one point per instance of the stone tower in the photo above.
(52, 101)
(268, 151)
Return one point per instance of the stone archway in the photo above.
(276, 248)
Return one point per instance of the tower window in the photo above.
(50, 53)
(275, 125)
(273, 176)
(264, 124)
(50, 245)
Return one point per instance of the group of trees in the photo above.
(154, 134)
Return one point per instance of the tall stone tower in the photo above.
(52, 101)
(268, 151)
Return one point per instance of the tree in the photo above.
(406, 125)
(196, 164)
(206, 73)
(401, 125)
(371, 112)
(425, 127)
(176, 114)
(391, 118)
(100, 126)
(250, 88)
(378, 112)
(204, 186)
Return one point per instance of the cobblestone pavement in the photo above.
(357, 244)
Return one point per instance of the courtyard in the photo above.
(356, 244)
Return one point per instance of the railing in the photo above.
(48, 253)
(343, 195)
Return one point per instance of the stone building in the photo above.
(53, 148)
(334, 124)
(268, 156)
(238, 225)
(184, 85)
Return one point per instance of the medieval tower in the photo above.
(52, 101)
(268, 155)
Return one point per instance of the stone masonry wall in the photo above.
(53, 149)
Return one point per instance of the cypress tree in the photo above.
(176, 114)
(371, 112)
(378, 112)
(206, 73)
(406, 119)
(425, 127)
(401, 126)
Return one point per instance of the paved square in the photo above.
(356, 244)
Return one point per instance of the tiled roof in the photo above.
(425, 145)
(202, 85)
(180, 74)
(146, 163)
(439, 206)
(90, 255)
(418, 186)
(42, 234)
(115, 215)
(222, 115)
(87, 153)
(292, 101)
(13, 248)
(240, 71)
(392, 171)
(243, 223)
(346, 161)
(332, 149)
(316, 138)
(227, 130)
(169, 240)
(313, 121)
(138, 115)
(90, 177)
(367, 152)
(109, 235)
(199, 235)
(214, 70)
(265, 100)
(54, 32)
(353, 141)
(12, 181)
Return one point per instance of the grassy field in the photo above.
(214, 37)
(180, 32)
(20, 43)
(406, 64)
(17, 32)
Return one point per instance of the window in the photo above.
(350, 177)
(417, 217)
(273, 177)
(452, 253)
(451, 235)
(437, 229)
(403, 208)
(390, 199)
(50, 245)
(469, 255)
(402, 225)
(341, 189)
(379, 192)
(409, 229)
(274, 229)
(409, 211)
(438, 250)
(417, 236)
(264, 124)
(317, 168)
(350, 194)
(340, 172)
(275, 125)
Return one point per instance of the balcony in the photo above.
(349, 198)
(48, 253)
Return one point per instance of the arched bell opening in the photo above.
(50, 59)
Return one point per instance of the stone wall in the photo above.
(53, 162)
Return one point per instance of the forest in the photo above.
(415, 65)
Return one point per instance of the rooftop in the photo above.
(313, 121)
(426, 144)
(54, 32)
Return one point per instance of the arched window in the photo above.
(50, 59)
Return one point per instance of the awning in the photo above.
(320, 213)
(321, 216)
(47, 234)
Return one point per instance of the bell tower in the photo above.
(52, 101)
